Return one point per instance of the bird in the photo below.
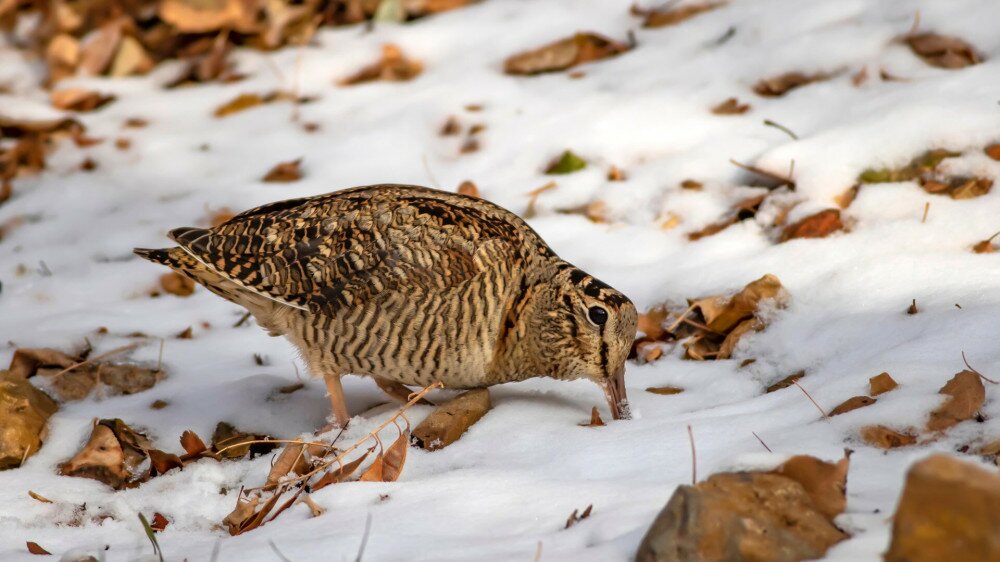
(412, 286)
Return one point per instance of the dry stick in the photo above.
(364, 538)
(818, 407)
(274, 547)
(762, 442)
(111, 353)
(538, 552)
(243, 320)
(927, 208)
(781, 127)
(760, 172)
(159, 359)
(680, 319)
(984, 377)
(694, 458)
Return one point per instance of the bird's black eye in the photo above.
(597, 315)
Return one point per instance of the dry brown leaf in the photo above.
(38, 497)
(159, 522)
(392, 67)
(733, 337)
(780, 85)
(665, 390)
(33, 548)
(468, 188)
(993, 151)
(616, 174)
(388, 464)
(131, 58)
(948, 510)
(27, 361)
(647, 351)
(241, 516)
(787, 381)
(818, 225)
(880, 384)
(177, 284)
(341, 473)
(595, 421)
(202, 16)
(885, 438)
(98, 51)
(966, 395)
(852, 403)
(239, 103)
(161, 462)
(450, 420)
(845, 199)
(112, 455)
(25, 411)
(825, 482)
(674, 16)
(295, 459)
(742, 210)
(284, 172)
(79, 99)
(192, 444)
(451, 127)
(722, 316)
(968, 188)
(943, 51)
(731, 106)
(566, 53)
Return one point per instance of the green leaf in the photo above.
(567, 164)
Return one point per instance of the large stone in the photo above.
(24, 413)
(949, 511)
(740, 516)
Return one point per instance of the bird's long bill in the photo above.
(614, 391)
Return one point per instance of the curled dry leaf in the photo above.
(341, 472)
(575, 518)
(966, 395)
(886, 438)
(295, 459)
(595, 421)
(25, 411)
(161, 462)
(824, 482)
(731, 106)
(780, 85)
(392, 67)
(112, 455)
(192, 444)
(388, 464)
(852, 403)
(818, 225)
(284, 172)
(566, 53)
(674, 16)
(78, 99)
(449, 421)
(880, 384)
(177, 284)
(27, 361)
(943, 51)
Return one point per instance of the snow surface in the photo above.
(513, 479)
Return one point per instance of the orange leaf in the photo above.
(392, 67)
(966, 395)
(851, 404)
(35, 549)
(193, 445)
(342, 472)
(886, 438)
(595, 419)
(818, 225)
(159, 522)
(284, 172)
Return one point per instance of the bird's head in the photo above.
(584, 329)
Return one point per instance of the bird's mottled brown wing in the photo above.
(337, 250)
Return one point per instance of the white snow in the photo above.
(513, 479)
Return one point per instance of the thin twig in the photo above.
(694, 457)
(274, 547)
(215, 550)
(818, 407)
(762, 442)
(680, 319)
(364, 538)
(538, 552)
(430, 175)
(782, 128)
(760, 172)
(111, 353)
(971, 368)
(243, 320)
(927, 208)
(159, 359)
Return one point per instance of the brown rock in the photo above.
(24, 413)
(949, 510)
(739, 516)
(447, 424)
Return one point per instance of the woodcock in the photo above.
(411, 286)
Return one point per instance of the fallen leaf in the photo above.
(468, 188)
(392, 67)
(852, 403)
(202, 16)
(818, 225)
(692, 185)
(131, 58)
(341, 473)
(566, 53)
(295, 459)
(284, 172)
(38, 497)
(948, 510)
(192, 444)
(665, 390)
(943, 51)
(574, 518)
(241, 515)
(993, 151)
(912, 309)
(885, 438)
(733, 337)
(845, 199)
(616, 174)
(451, 127)
(825, 482)
(780, 85)
(159, 522)
(595, 421)
(786, 382)
(966, 395)
(448, 422)
(968, 188)
(743, 210)
(161, 462)
(920, 166)
(25, 411)
(185, 334)
(723, 315)
(469, 146)
(388, 464)
(566, 164)
(731, 106)
(880, 384)
(674, 16)
(27, 361)
(177, 284)
(33, 548)
(98, 49)
(239, 103)
(79, 99)
(112, 455)
(231, 443)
